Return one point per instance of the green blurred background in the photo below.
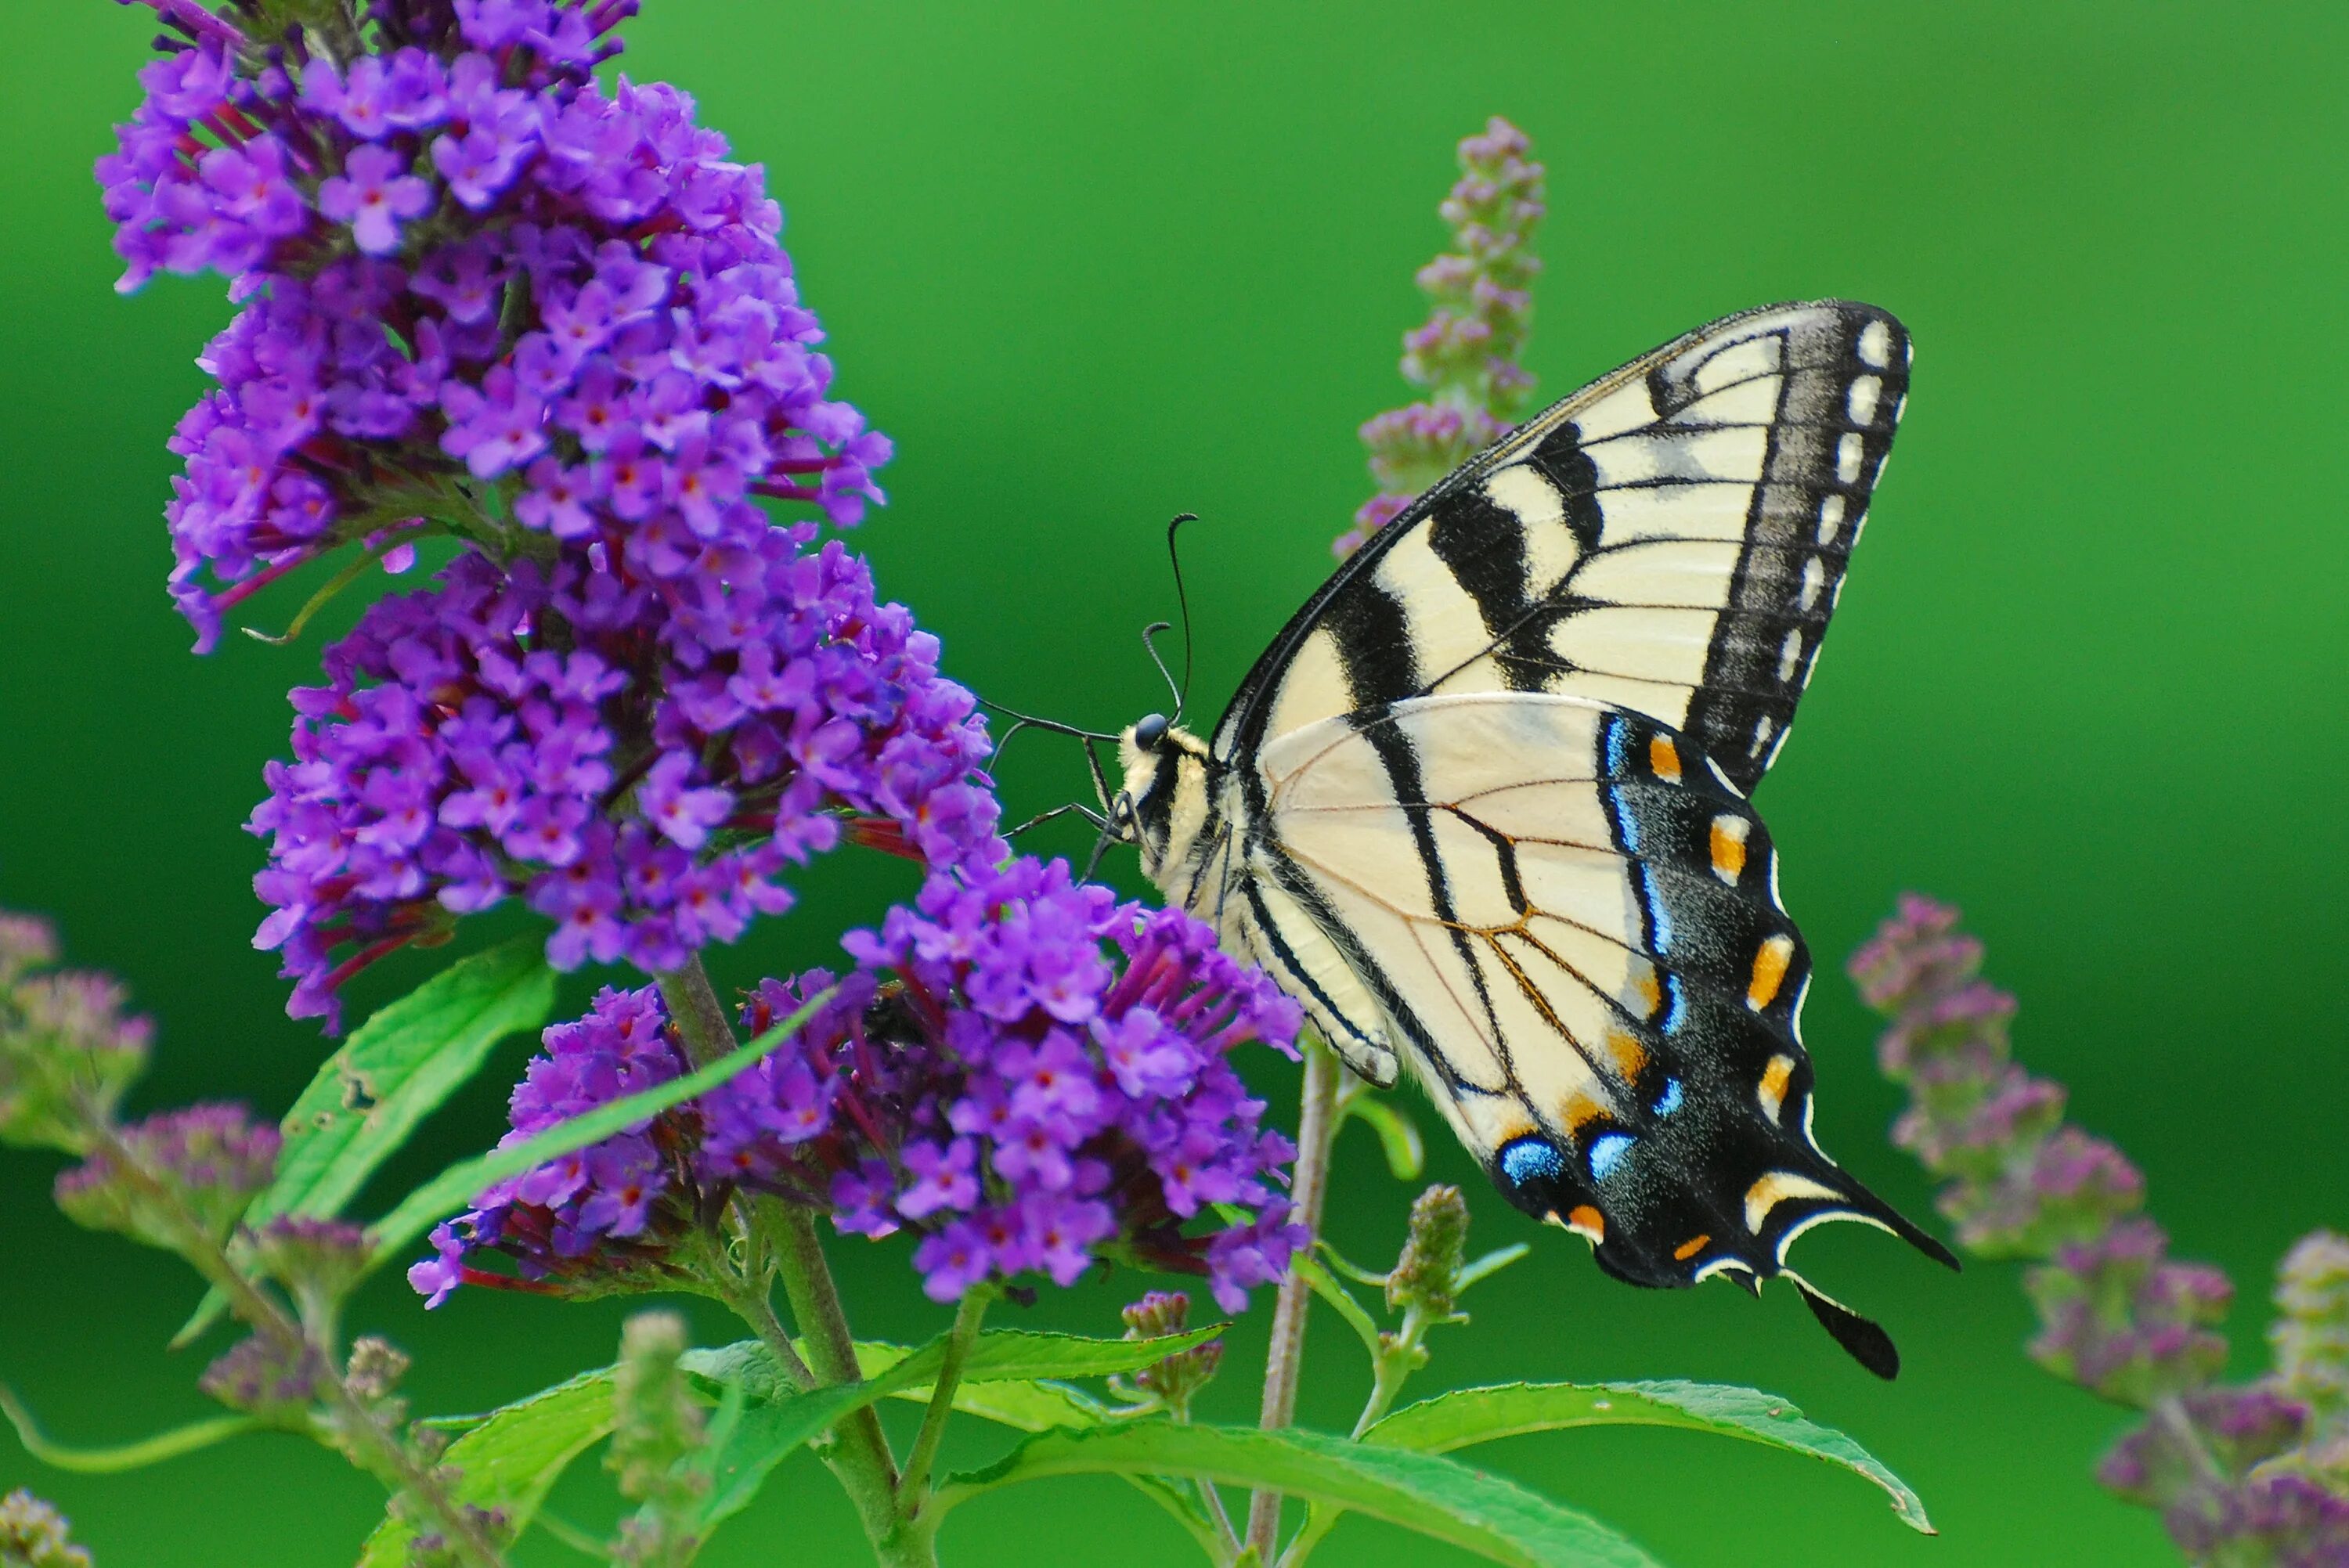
(1093, 264)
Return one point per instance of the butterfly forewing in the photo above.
(1669, 540)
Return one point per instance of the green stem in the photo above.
(700, 1017)
(1316, 1127)
(860, 1458)
(752, 1307)
(1397, 1359)
(913, 1489)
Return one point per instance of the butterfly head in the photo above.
(1164, 799)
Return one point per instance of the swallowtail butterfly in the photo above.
(1482, 807)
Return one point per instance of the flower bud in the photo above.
(319, 1262)
(27, 943)
(657, 1427)
(33, 1535)
(1465, 355)
(2121, 1320)
(376, 1365)
(1426, 1276)
(2310, 1333)
(267, 1380)
(1173, 1379)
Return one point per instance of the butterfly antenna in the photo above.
(1182, 599)
(1149, 631)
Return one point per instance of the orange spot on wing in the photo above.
(1729, 847)
(1773, 1090)
(1650, 988)
(1585, 1221)
(1690, 1248)
(1630, 1055)
(1664, 759)
(1579, 1111)
(1770, 962)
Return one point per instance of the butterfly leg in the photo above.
(1077, 807)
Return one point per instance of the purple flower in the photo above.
(374, 194)
(895, 1107)
(601, 288)
(1465, 355)
(469, 747)
(495, 426)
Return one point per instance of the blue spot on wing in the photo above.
(1669, 1101)
(1676, 1004)
(1619, 747)
(1606, 1151)
(1660, 919)
(1530, 1159)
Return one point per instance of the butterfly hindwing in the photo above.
(1669, 540)
(1568, 923)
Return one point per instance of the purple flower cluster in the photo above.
(484, 297)
(200, 1165)
(2310, 1335)
(2240, 1475)
(601, 1213)
(68, 1050)
(2230, 1482)
(2117, 1314)
(1077, 1101)
(637, 756)
(1465, 355)
(1027, 1073)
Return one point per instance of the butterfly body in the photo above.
(1482, 808)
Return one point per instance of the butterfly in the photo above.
(1482, 808)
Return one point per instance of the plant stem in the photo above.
(1392, 1366)
(1317, 1128)
(753, 1307)
(859, 1459)
(913, 1489)
(700, 1017)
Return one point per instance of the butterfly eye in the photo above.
(1150, 732)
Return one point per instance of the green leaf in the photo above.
(1489, 1266)
(1180, 1499)
(455, 1187)
(1467, 1416)
(147, 1452)
(1357, 1317)
(768, 1434)
(396, 1069)
(1398, 1134)
(1028, 1406)
(996, 1356)
(771, 1431)
(1487, 1515)
(512, 1460)
(1002, 1355)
